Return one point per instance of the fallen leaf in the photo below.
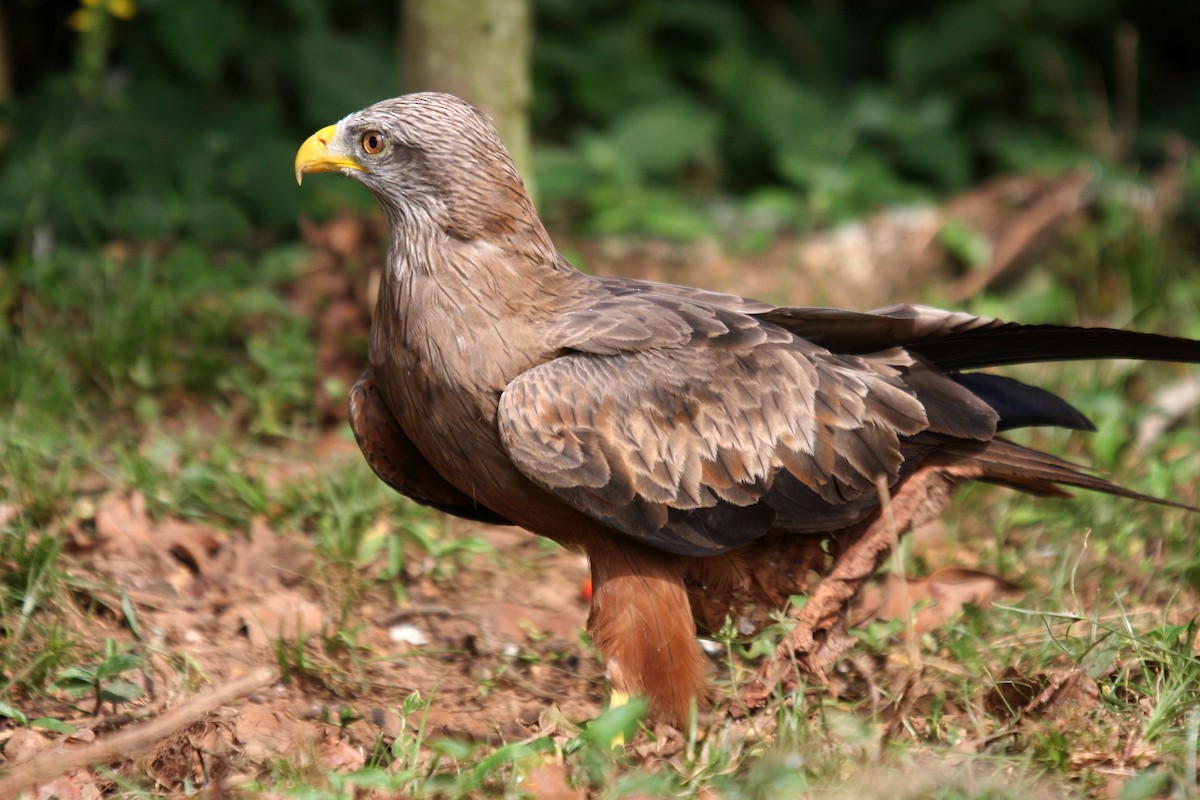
(123, 524)
(1042, 694)
(548, 781)
(937, 598)
(282, 615)
(24, 744)
(337, 754)
(265, 733)
(78, 785)
(1011, 694)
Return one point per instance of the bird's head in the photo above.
(432, 160)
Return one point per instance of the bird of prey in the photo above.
(706, 451)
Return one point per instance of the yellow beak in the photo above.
(314, 155)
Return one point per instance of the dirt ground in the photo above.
(492, 648)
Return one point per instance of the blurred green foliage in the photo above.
(847, 105)
(159, 119)
(181, 121)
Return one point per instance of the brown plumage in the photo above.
(699, 447)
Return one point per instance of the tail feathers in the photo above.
(1021, 405)
(957, 341)
(1026, 344)
(1032, 471)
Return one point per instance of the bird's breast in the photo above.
(441, 365)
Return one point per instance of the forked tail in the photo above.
(1032, 471)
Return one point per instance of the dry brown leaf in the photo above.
(1011, 694)
(1068, 692)
(284, 614)
(1071, 691)
(548, 781)
(78, 785)
(123, 524)
(168, 554)
(188, 756)
(23, 744)
(269, 558)
(337, 754)
(196, 546)
(666, 742)
(265, 733)
(937, 598)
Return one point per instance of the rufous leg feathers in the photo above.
(642, 622)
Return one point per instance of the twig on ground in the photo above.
(61, 759)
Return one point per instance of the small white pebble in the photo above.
(408, 634)
(511, 649)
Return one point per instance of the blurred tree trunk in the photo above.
(478, 50)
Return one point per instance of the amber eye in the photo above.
(372, 142)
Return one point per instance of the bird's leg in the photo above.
(820, 635)
(642, 623)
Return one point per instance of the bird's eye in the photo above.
(372, 143)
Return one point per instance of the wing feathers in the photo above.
(397, 461)
(696, 422)
(661, 443)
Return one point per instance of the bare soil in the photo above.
(492, 646)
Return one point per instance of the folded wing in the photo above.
(696, 429)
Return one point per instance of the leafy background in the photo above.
(179, 122)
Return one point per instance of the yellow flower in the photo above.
(121, 9)
(82, 19)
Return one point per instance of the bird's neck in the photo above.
(500, 255)
(468, 314)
